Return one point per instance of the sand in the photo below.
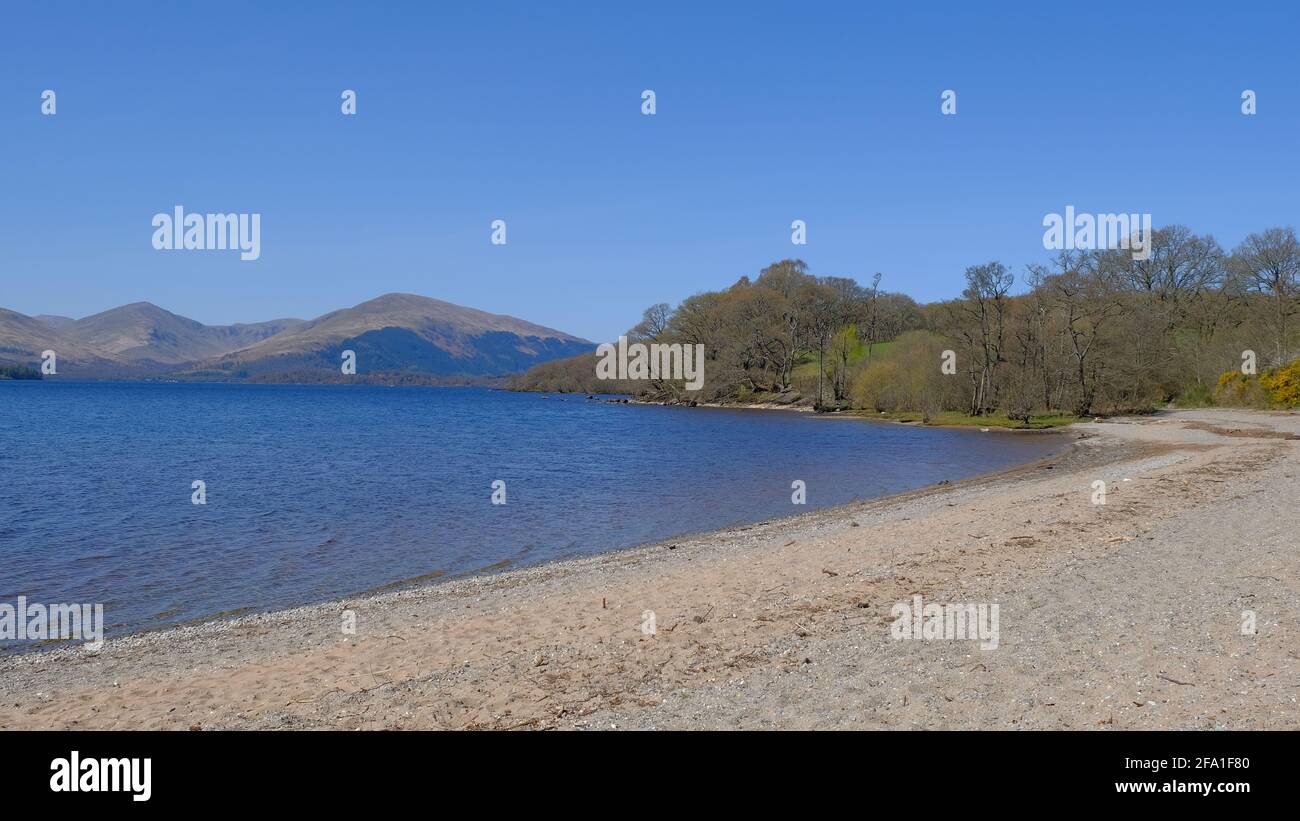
(1127, 615)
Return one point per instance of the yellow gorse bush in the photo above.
(1283, 385)
(1276, 387)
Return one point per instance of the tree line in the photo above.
(18, 372)
(1089, 332)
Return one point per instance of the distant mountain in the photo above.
(58, 323)
(23, 339)
(143, 333)
(401, 333)
(25, 335)
(396, 337)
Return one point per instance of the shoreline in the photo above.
(236, 609)
(234, 615)
(769, 605)
(858, 414)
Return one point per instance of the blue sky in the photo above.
(530, 112)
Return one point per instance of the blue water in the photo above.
(316, 492)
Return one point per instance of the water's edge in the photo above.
(1070, 442)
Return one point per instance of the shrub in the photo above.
(1239, 390)
(1283, 385)
(1276, 387)
(877, 386)
(906, 377)
(1198, 395)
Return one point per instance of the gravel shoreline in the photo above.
(1123, 615)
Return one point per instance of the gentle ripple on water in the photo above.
(317, 492)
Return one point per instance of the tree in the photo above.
(1271, 264)
(753, 317)
(1097, 331)
(1082, 294)
(653, 324)
(853, 303)
(822, 310)
(985, 305)
(789, 278)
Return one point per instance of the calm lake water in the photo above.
(322, 492)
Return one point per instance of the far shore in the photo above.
(973, 423)
(1122, 615)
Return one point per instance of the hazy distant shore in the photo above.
(1126, 614)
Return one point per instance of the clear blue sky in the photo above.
(530, 112)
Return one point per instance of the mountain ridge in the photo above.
(398, 336)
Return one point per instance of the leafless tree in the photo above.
(1271, 264)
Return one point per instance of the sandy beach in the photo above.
(1126, 615)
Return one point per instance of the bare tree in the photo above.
(654, 322)
(822, 310)
(1271, 264)
(1082, 293)
(788, 278)
(1097, 331)
(985, 304)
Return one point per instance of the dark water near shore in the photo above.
(321, 492)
